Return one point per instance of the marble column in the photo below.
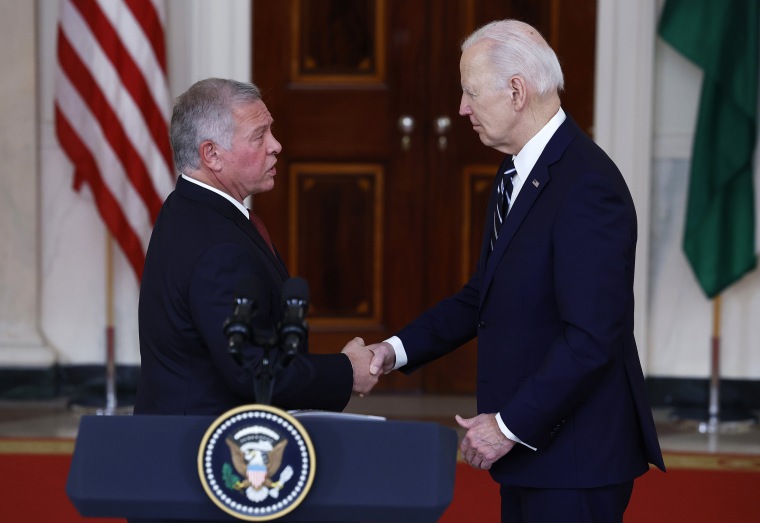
(21, 341)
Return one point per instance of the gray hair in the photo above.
(515, 51)
(205, 112)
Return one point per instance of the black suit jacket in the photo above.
(552, 308)
(201, 249)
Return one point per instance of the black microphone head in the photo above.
(237, 327)
(250, 315)
(293, 328)
(248, 302)
(296, 289)
(251, 292)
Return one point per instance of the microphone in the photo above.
(293, 328)
(237, 328)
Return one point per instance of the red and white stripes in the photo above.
(111, 110)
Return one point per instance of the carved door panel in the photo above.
(381, 187)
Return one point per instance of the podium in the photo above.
(367, 469)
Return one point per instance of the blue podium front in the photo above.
(367, 469)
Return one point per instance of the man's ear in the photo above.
(208, 152)
(518, 92)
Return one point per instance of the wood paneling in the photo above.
(338, 41)
(336, 241)
(379, 230)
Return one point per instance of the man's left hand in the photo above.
(361, 357)
(484, 442)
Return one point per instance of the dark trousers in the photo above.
(593, 505)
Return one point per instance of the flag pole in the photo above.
(712, 425)
(717, 421)
(110, 407)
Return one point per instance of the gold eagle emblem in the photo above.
(257, 466)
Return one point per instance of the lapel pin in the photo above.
(535, 182)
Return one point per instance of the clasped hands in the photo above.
(482, 445)
(368, 361)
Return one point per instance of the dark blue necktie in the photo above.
(503, 201)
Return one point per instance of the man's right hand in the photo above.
(384, 358)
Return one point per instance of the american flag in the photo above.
(111, 110)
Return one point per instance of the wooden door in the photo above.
(382, 219)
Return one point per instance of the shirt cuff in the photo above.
(508, 433)
(398, 348)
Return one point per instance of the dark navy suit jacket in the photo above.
(201, 250)
(552, 308)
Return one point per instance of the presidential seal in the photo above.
(256, 462)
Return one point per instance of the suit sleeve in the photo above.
(444, 327)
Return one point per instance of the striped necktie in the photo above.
(503, 201)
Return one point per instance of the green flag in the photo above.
(721, 37)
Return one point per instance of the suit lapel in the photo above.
(534, 184)
(537, 180)
(229, 211)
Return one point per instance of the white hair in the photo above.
(517, 48)
(205, 112)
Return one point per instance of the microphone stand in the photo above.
(272, 363)
(265, 375)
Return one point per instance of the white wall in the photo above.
(623, 121)
(52, 257)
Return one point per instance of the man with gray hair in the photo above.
(205, 245)
(564, 424)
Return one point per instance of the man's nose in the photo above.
(464, 108)
(275, 147)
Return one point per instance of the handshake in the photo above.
(368, 362)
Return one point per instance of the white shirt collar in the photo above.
(237, 204)
(526, 159)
